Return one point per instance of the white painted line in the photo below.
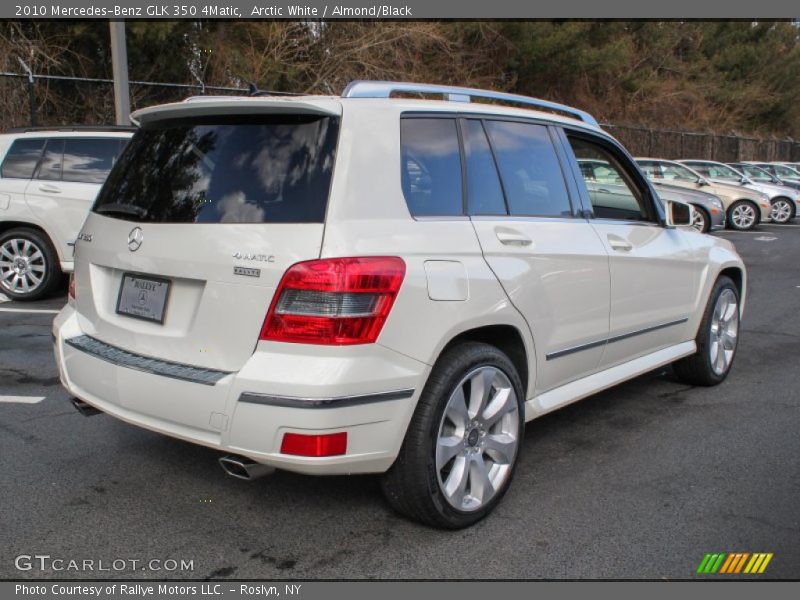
(22, 399)
(766, 238)
(30, 310)
(4, 298)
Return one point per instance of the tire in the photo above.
(701, 219)
(782, 210)
(29, 268)
(445, 452)
(717, 338)
(743, 215)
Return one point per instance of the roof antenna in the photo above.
(252, 89)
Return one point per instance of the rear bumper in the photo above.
(367, 391)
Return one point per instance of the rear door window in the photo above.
(530, 170)
(22, 158)
(88, 160)
(484, 191)
(231, 169)
(430, 167)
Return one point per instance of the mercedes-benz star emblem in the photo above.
(135, 239)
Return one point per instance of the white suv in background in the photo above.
(374, 284)
(49, 178)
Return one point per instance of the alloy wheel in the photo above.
(781, 211)
(22, 266)
(478, 439)
(699, 220)
(724, 331)
(743, 216)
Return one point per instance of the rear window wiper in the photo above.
(121, 209)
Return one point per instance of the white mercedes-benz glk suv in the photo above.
(381, 284)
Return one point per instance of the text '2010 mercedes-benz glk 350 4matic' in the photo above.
(373, 284)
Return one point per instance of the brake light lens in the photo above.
(72, 290)
(334, 301)
(329, 444)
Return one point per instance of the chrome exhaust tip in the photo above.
(87, 410)
(244, 468)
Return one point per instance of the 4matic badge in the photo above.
(269, 258)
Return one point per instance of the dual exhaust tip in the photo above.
(240, 467)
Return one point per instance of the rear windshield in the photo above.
(265, 169)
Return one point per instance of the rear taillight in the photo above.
(334, 301)
(328, 444)
(72, 289)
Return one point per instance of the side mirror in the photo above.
(678, 214)
(702, 181)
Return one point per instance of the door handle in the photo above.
(49, 189)
(619, 244)
(512, 238)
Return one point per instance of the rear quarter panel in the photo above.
(368, 215)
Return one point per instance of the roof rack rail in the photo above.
(385, 89)
(72, 128)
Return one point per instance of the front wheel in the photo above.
(461, 447)
(717, 338)
(700, 220)
(782, 211)
(742, 215)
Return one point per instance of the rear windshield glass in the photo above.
(266, 169)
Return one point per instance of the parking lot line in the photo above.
(30, 310)
(22, 399)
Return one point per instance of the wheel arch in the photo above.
(736, 274)
(506, 338)
(9, 225)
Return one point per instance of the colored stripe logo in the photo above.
(734, 563)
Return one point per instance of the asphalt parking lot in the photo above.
(639, 481)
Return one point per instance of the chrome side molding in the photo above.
(333, 402)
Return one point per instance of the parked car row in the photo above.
(750, 193)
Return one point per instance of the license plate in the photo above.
(143, 297)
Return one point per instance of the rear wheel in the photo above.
(717, 338)
(461, 448)
(700, 219)
(742, 215)
(29, 267)
(782, 210)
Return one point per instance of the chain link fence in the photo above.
(665, 143)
